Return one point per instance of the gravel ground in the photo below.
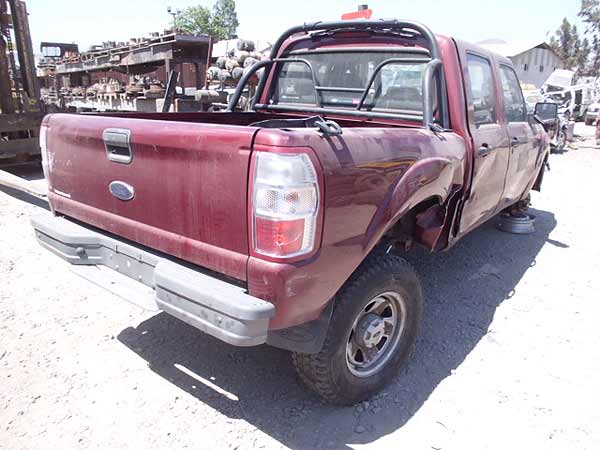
(508, 356)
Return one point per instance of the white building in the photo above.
(533, 63)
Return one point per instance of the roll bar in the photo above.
(433, 67)
(383, 24)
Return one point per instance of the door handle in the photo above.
(484, 150)
(117, 142)
(515, 141)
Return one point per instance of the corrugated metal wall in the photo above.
(535, 66)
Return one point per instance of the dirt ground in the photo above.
(508, 358)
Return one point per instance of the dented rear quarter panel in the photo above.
(372, 176)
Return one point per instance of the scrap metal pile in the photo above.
(109, 53)
(230, 68)
(106, 91)
(119, 76)
(223, 76)
(109, 87)
(128, 76)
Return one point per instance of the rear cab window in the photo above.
(482, 90)
(337, 79)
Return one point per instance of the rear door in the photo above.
(523, 149)
(490, 140)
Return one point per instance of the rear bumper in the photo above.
(214, 306)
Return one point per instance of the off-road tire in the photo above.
(327, 372)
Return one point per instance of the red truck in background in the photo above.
(286, 224)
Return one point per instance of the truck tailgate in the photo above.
(184, 192)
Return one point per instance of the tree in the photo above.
(194, 19)
(595, 59)
(590, 14)
(574, 52)
(221, 23)
(564, 43)
(225, 21)
(583, 56)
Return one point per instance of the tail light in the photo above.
(285, 204)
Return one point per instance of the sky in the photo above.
(88, 22)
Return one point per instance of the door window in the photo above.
(483, 92)
(514, 103)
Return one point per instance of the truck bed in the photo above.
(188, 175)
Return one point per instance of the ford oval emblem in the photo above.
(121, 190)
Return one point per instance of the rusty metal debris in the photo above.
(132, 76)
(225, 73)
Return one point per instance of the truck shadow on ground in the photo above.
(463, 288)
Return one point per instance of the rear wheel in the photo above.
(372, 332)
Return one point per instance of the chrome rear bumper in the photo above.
(214, 306)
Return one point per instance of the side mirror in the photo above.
(546, 113)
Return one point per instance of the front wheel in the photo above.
(372, 333)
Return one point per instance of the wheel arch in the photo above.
(416, 207)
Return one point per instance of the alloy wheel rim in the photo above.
(375, 334)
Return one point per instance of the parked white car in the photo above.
(532, 96)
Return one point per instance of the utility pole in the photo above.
(174, 13)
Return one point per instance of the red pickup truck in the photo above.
(286, 224)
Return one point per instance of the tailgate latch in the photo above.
(117, 142)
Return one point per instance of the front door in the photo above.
(490, 141)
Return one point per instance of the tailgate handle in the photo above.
(117, 142)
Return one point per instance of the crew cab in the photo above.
(286, 224)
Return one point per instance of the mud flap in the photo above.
(306, 338)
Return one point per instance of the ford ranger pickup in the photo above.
(286, 224)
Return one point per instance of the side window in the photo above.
(483, 91)
(401, 87)
(515, 109)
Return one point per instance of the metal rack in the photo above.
(20, 112)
